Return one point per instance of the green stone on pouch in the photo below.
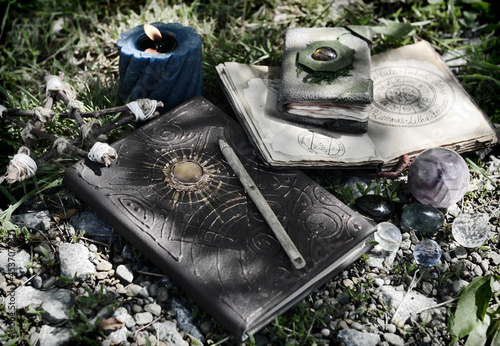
(423, 218)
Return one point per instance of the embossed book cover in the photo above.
(417, 104)
(174, 197)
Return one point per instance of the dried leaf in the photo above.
(65, 214)
(110, 324)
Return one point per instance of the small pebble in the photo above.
(162, 295)
(357, 326)
(494, 257)
(120, 289)
(427, 287)
(133, 290)
(343, 325)
(154, 308)
(104, 266)
(405, 244)
(36, 282)
(143, 318)
(425, 317)
(478, 271)
(391, 328)
(51, 282)
(378, 282)
(153, 290)
(205, 327)
(136, 309)
(393, 339)
(124, 274)
(485, 265)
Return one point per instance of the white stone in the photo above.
(75, 260)
(119, 336)
(412, 304)
(167, 332)
(53, 336)
(55, 302)
(351, 337)
(124, 274)
(153, 308)
(393, 339)
(14, 262)
(122, 314)
(143, 318)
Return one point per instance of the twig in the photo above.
(21, 112)
(146, 325)
(404, 163)
(46, 135)
(437, 305)
(25, 167)
(413, 283)
(152, 274)
(100, 112)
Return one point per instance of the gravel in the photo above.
(370, 303)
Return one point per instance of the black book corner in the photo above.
(174, 197)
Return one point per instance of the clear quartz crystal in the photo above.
(388, 236)
(427, 253)
(470, 230)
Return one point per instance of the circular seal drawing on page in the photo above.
(409, 96)
(319, 144)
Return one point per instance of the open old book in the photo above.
(417, 104)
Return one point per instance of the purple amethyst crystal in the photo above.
(438, 177)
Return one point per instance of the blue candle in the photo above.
(169, 70)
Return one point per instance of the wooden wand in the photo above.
(259, 200)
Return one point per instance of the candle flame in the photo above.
(152, 32)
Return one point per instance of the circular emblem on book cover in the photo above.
(409, 96)
(320, 144)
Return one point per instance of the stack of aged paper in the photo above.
(417, 104)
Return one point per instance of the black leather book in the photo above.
(173, 196)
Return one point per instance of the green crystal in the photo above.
(422, 218)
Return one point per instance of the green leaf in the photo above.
(496, 338)
(494, 331)
(477, 336)
(478, 5)
(395, 29)
(45, 252)
(484, 294)
(434, 2)
(12, 342)
(472, 305)
(360, 188)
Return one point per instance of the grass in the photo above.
(79, 39)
